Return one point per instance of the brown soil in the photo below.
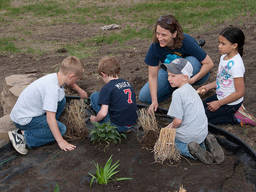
(149, 139)
(46, 166)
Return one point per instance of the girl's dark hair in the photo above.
(234, 35)
(169, 22)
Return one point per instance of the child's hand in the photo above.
(64, 145)
(202, 90)
(83, 94)
(93, 118)
(213, 106)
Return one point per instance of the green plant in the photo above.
(57, 188)
(105, 133)
(104, 174)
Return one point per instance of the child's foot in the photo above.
(215, 148)
(200, 153)
(244, 117)
(18, 141)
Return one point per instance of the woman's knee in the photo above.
(196, 64)
(144, 94)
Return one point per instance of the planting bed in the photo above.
(47, 166)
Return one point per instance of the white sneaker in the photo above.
(18, 142)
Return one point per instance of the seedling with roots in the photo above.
(148, 121)
(105, 174)
(164, 148)
(73, 118)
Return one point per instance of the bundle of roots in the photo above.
(164, 149)
(182, 189)
(147, 121)
(74, 119)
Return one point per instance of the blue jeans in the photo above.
(37, 132)
(183, 148)
(96, 107)
(164, 90)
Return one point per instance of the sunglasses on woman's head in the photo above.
(165, 19)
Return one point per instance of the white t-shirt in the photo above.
(40, 96)
(227, 71)
(187, 105)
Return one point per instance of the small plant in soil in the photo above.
(105, 174)
(105, 133)
(57, 188)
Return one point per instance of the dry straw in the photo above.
(148, 121)
(74, 119)
(164, 149)
(182, 189)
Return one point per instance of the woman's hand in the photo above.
(153, 107)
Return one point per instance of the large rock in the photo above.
(12, 87)
(5, 125)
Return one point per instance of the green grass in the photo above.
(4, 4)
(6, 45)
(80, 50)
(136, 19)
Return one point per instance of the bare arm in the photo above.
(63, 144)
(205, 88)
(101, 114)
(82, 93)
(239, 92)
(152, 79)
(175, 123)
(207, 65)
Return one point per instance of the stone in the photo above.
(5, 125)
(12, 87)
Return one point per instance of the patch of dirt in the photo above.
(149, 139)
(47, 165)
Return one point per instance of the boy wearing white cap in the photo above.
(189, 116)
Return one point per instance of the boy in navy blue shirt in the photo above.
(116, 102)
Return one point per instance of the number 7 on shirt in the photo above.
(129, 92)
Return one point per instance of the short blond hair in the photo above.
(72, 64)
(109, 65)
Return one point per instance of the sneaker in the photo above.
(198, 152)
(18, 142)
(215, 148)
(244, 117)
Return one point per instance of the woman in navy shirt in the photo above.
(169, 43)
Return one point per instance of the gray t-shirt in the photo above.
(40, 96)
(187, 106)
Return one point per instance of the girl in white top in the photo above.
(230, 88)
